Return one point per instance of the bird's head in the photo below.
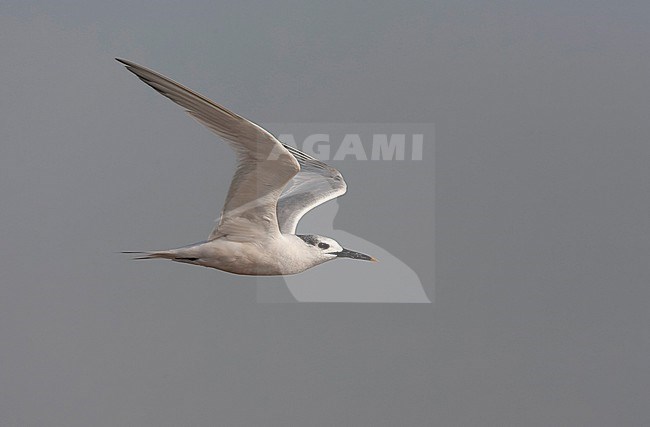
(326, 249)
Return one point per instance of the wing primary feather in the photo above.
(264, 165)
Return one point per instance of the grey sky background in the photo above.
(541, 215)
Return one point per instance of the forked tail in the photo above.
(152, 254)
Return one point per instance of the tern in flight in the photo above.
(273, 187)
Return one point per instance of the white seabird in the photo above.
(273, 187)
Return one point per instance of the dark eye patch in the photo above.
(323, 245)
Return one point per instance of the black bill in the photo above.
(346, 253)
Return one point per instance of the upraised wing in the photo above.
(315, 184)
(264, 165)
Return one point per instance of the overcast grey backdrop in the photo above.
(541, 219)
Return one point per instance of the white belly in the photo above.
(270, 258)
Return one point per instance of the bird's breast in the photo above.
(268, 258)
